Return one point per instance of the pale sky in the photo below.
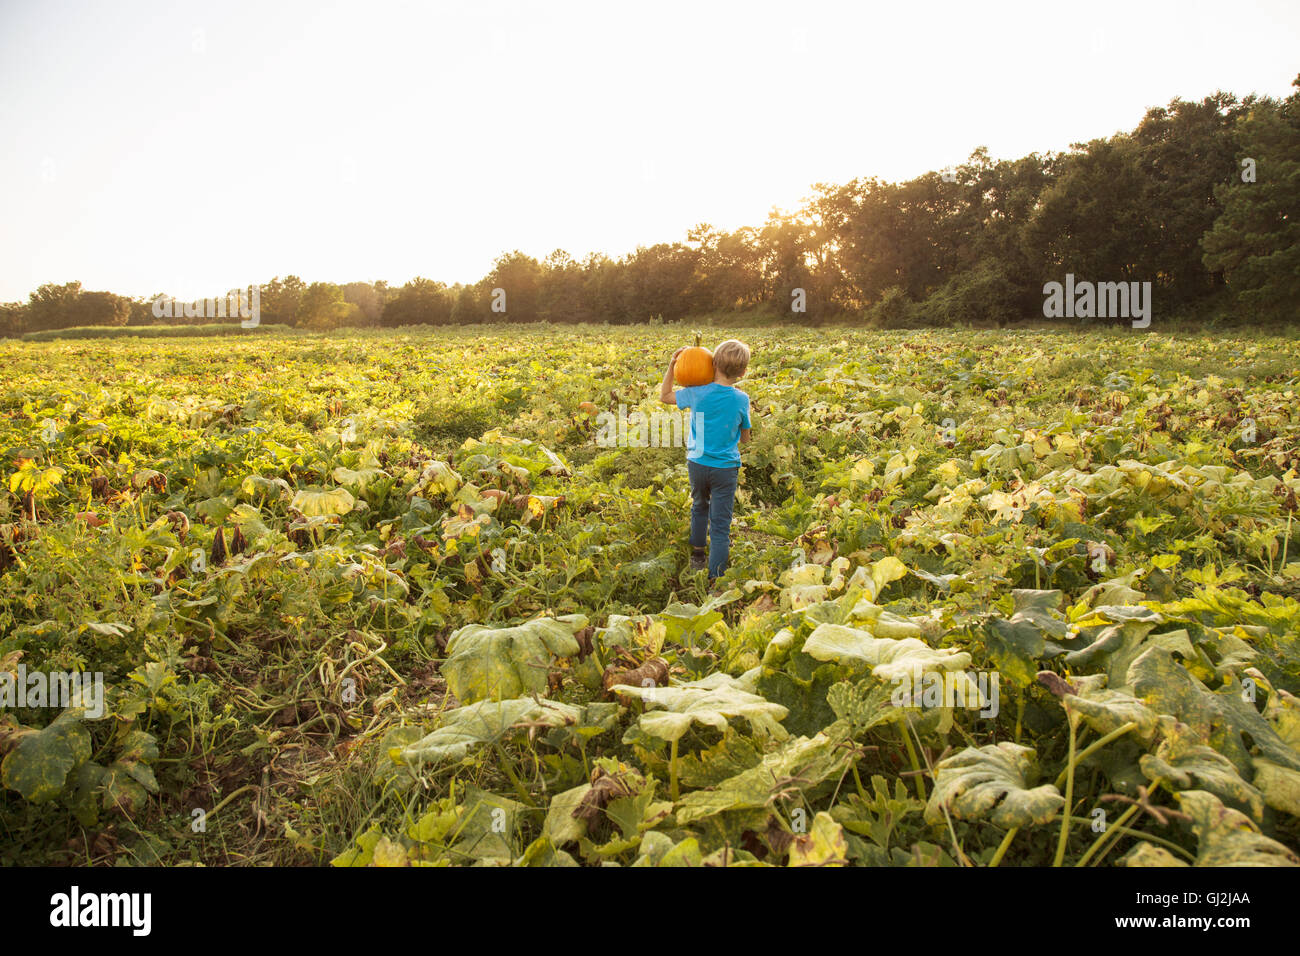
(188, 148)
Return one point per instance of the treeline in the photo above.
(1202, 199)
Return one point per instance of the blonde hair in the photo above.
(731, 358)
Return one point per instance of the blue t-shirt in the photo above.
(717, 413)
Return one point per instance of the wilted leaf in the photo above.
(500, 663)
(1226, 837)
(39, 763)
(465, 728)
(1219, 719)
(1148, 854)
(1106, 710)
(1185, 764)
(993, 782)
(315, 504)
(823, 845)
(1280, 786)
(799, 763)
(712, 702)
(888, 658)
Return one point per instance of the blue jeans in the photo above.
(713, 491)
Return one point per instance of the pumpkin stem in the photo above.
(697, 339)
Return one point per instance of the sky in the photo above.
(189, 148)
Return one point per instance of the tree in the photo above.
(519, 276)
(51, 306)
(142, 311)
(728, 273)
(783, 251)
(280, 300)
(13, 318)
(1091, 220)
(419, 302)
(369, 300)
(322, 307)
(561, 290)
(100, 308)
(469, 307)
(658, 281)
(1256, 239)
(603, 286)
(1186, 154)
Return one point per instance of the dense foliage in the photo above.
(384, 600)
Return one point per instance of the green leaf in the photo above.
(488, 829)
(360, 479)
(1220, 719)
(1106, 710)
(1116, 647)
(465, 728)
(686, 853)
(439, 478)
(39, 764)
(1016, 643)
(948, 583)
(888, 659)
(876, 576)
(1115, 591)
(501, 663)
(561, 825)
(878, 817)
(257, 486)
(799, 763)
(364, 852)
(823, 845)
(711, 701)
(544, 852)
(248, 519)
(139, 749)
(83, 787)
(1226, 837)
(1280, 786)
(315, 504)
(30, 477)
(686, 623)
(993, 782)
(1147, 855)
(864, 704)
(1185, 764)
(734, 753)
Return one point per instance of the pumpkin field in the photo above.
(396, 597)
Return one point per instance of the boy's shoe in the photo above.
(699, 560)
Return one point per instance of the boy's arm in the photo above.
(745, 435)
(746, 427)
(666, 386)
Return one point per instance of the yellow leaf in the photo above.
(824, 846)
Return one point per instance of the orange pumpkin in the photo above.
(694, 366)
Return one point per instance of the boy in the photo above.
(719, 417)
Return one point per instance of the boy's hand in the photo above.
(666, 386)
